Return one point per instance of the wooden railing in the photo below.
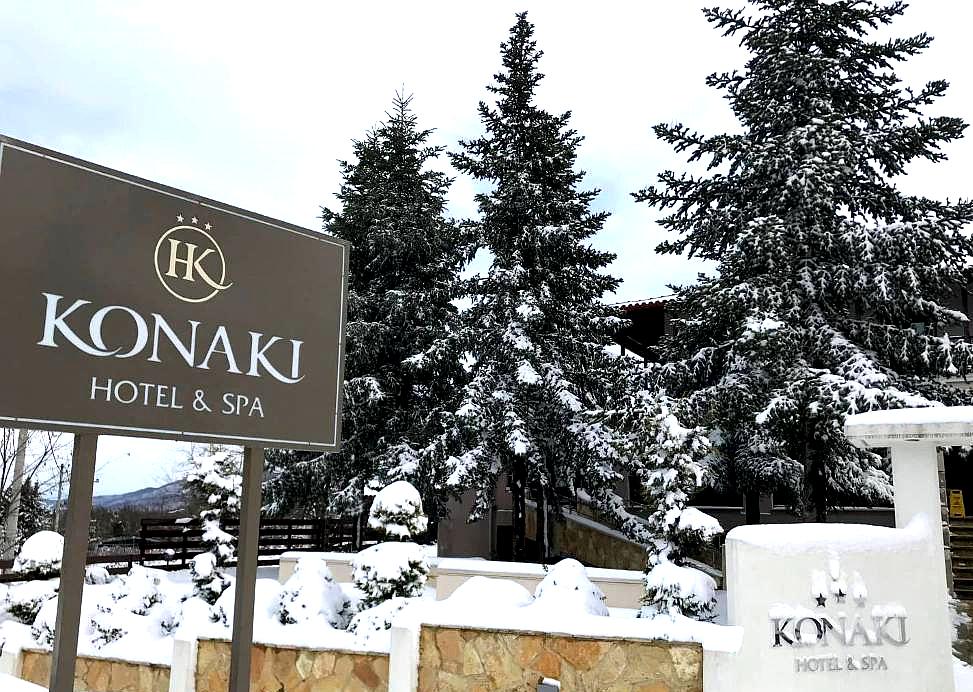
(170, 544)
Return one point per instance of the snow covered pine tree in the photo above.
(831, 285)
(670, 461)
(215, 478)
(536, 329)
(398, 567)
(403, 369)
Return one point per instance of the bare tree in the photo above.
(26, 455)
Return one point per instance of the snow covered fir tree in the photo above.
(536, 328)
(398, 567)
(831, 285)
(402, 368)
(214, 477)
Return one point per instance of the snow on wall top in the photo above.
(794, 539)
(942, 424)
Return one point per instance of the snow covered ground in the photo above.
(963, 674)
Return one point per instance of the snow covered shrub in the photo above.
(42, 626)
(208, 581)
(138, 592)
(214, 477)
(376, 619)
(393, 568)
(27, 598)
(265, 600)
(40, 555)
(669, 459)
(397, 512)
(388, 570)
(108, 624)
(567, 590)
(312, 592)
(96, 574)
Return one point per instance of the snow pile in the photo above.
(567, 589)
(311, 593)
(11, 684)
(388, 570)
(397, 511)
(40, 554)
(498, 593)
(565, 603)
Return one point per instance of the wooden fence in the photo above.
(170, 544)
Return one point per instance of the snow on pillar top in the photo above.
(939, 425)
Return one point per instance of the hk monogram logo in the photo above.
(190, 263)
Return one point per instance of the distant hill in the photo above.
(166, 497)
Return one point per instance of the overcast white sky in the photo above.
(253, 103)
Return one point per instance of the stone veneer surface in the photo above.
(285, 669)
(468, 660)
(591, 546)
(99, 674)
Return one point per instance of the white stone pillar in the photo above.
(915, 477)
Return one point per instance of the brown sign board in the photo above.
(132, 308)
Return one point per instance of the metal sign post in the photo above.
(73, 562)
(246, 570)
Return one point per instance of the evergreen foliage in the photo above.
(397, 568)
(34, 515)
(215, 478)
(670, 461)
(397, 512)
(536, 329)
(402, 367)
(831, 284)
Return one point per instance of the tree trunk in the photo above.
(518, 490)
(819, 489)
(542, 526)
(12, 524)
(751, 501)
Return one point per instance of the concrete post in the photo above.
(915, 477)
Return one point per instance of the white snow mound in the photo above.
(42, 551)
(567, 589)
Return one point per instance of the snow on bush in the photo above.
(96, 574)
(671, 588)
(311, 592)
(24, 600)
(266, 598)
(566, 589)
(375, 620)
(397, 512)
(215, 476)
(40, 554)
(208, 581)
(388, 570)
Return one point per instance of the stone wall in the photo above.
(468, 660)
(98, 674)
(286, 669)
(597, 546)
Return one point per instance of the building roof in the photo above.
(632, 305)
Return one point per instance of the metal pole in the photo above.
(246, 569)
(76, 529)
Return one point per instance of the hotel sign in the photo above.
(131, 308)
